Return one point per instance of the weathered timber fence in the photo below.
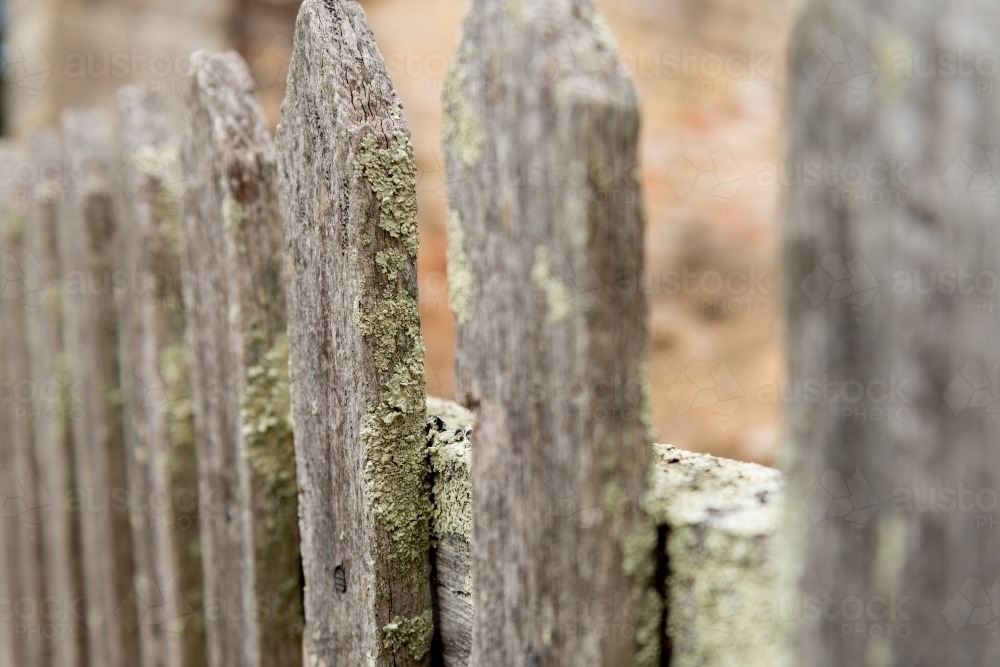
(538, 252)
(20, 524)
(49, 413)
(144, 283)
(160, 448)
(239, 370)
(937, 348)
(349, 201)
(88, 240)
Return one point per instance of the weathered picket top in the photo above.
(238, 351)
(54, 400)
(538, 110)
(348, 198)
(159, 436)
(88, 254)
(927, 208)
(20, 519)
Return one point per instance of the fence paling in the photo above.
(239, 371)
(716, 557)
(158, 431)
(349, 205)
(88, 232)
(939, 347)
(20, 502)
(534, 96)
(51, 410)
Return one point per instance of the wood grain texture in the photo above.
(21, 512)
(55, 404)
(88, 254)
(540, 129)
(916, 354)
(162, 467)
(239, 372)
(348, 200)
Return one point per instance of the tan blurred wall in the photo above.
(710, 74)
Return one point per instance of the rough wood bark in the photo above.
(158, 426)
(56, 401)
(908, 368)
(348, 199)
(239, 356)
(88, 255)
(21, 510)
(540, 130)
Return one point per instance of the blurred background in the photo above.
(711, 79)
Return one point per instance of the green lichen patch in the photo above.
(392, 262)
(391, 172)
(459, 123)
(233, 214)
(265, 408)
(725, 587)
(557, 298)
(413, 634)
(396, 466)
(392, 317)
(450, 453)
(459, 270)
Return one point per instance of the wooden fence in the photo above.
(214, 435)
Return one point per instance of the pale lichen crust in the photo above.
(412, 634)
(459, 123)
(723, 519)
(450, 453)
(392, 430)
(557, 298)
(393, 176)
(459, 270)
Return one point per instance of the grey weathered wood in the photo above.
(449, 453)
(239, 369)
(851, 469)
(348, 199)
(21, 512)
(540, 131)
(56, 401)
(88, 254)
(158, 430)
(718, 557)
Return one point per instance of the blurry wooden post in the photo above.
(55, 404)
(20, 508)
(540, 131)
(88, 255)
(158, 423)
(874, 316)
(239, 355)
(348, 199)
